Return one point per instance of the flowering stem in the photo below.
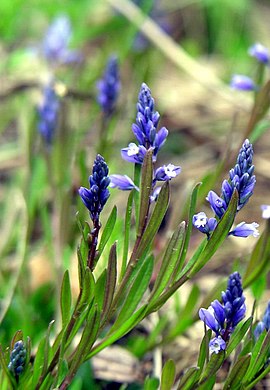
(94, 241)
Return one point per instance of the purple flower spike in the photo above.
(109, 87)
(96, 197)
(167, 172)
(244, 229)
(56, 42)
(242, 83)
(265, 211)
(122, 182)
(260, 52)
(48, 113)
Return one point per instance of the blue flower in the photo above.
(222, 318)
(242, 83)
(260, 52)
(145, 128)
(167, 172)
(244, 229)
(56, 42)
(203, 224)
(122, 182)
(96, 197)
(17, 358)
(48, 113)
(109, 87)
(264, 324)
(265, 211)
(133, 153)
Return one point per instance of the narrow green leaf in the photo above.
(218, 236)
(259, 259)
(261, 128)
(38, 363)
(191, 212)
(212, 366)
(62, 370)
(209, 384)
(263, 354)
(110, 282)
(188, 379)
(168, 375)
(145, 190)
(99, 288)
(238, 335)
(169, 261)
(254, 354)
(3, 365)
(17, 337)
(155, 220)
(237, 373)
(120, 332)
(151, 384)
(204, 347)
(250, 386)
(135, 292)
(126, 234)
(107, 231)
(47, 348)
(66, 299)
(88, 290)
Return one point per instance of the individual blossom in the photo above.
(134, 153)
(155, 194)
(242, 83)
(260, 52)
(109, 87)
(264, 324)
(17, 358)
(222, 318)
(167, 172)
(244, 229)
(145, 128)
(265, 211)
(97, 195)
(48, 113)
(56, 41)
(122, 182)
(203, 224)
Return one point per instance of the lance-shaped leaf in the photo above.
(237, 373)
(66, 299)
(110, 282)
(87, 291)
(127, 233)
(259, 356)
(168, 375)
(260, 108)
(155, 220)
(212, 366)
(204, 351)
(218, 236)
(259, 377)
(99, 288)
(107, 231)
(145, 190)
(238, 335)
(169, 261)
(188, 379)
(47, 348)
(259, 259)
(151, 384)
(135, 292)
(7, 373)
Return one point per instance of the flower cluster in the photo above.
(245, 83)
(109, 87)
(241, 178)
(48, 113)
(222, 318)
(264, 324)
(148, 137)
(98, 194)
(56, 42)
(17, 358)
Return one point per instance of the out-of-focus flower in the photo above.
(48, 113)
(202, 223)
(265, 211)
(223, 318)
(122, 182)
(244, 229)
(260, 52)
(56, 42)
(96, 197)
(109, 87)
(264, 324)
(242, 83)
(17, 358)
(167, 172)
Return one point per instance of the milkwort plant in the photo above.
(112, 303)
